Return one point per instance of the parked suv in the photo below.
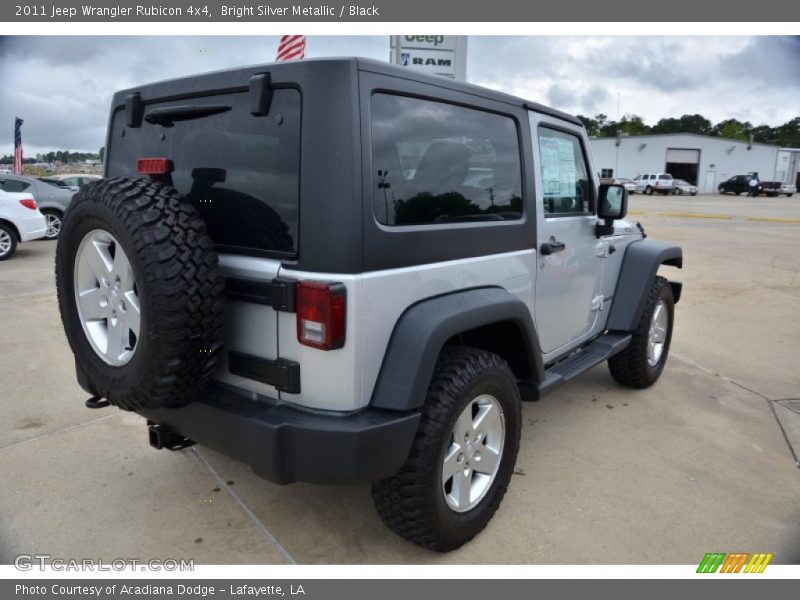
(651, 183)
(341, 271)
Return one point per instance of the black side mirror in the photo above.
(613, 206)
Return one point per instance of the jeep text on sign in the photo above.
(428, 42)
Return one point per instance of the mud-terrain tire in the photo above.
(415, 502)
(167, 268)
(640, 365)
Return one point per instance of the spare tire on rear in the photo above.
(140, 293)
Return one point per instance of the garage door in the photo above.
(683, 156)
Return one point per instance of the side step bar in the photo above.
(599, 350)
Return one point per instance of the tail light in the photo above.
(321, 314)
(29, 203)
(154, 166)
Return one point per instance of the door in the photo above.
(710, 185)
(569, 264)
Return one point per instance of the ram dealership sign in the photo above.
(436, 54)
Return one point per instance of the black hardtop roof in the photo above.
(376, 66)
(237, 76)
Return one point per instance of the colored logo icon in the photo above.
(735, 562)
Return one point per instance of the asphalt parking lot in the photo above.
(697, 463)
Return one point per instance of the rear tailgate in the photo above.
(664, 182)
(242, 174)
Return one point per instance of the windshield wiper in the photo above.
(167, 116)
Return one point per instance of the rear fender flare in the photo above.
(424, 328)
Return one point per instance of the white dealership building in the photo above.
(703, 160)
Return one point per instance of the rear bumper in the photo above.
(31, 228)
(285, 445)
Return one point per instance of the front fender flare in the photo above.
(639, 267)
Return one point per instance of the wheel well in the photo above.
(51, 209)
(504, 339)
(13, 228)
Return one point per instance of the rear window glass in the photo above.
(667, 177)
(241, 172)
(436, 163)
(14, 185)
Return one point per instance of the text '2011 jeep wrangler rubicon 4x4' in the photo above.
(341, 271)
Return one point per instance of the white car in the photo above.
(20, 221)
(628, 184)
(681, 186)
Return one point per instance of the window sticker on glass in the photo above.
(565, 184)
(558, 166)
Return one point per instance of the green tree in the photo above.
(633, 125)
(599, 125)
(788, 134)
(732, 129)
(685, 124)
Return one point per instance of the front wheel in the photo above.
(463, 454)
(641, 363)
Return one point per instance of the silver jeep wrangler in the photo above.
(339, 271)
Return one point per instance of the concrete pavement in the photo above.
(605, 475)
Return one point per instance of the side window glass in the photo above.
(437, 163)
(564, 178)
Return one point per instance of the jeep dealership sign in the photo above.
(436, 54)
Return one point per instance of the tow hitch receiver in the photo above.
(162, 436)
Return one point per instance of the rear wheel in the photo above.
(140, 294)
(648, 190)
(8, 241)
(463, 454)
(641, 363)
(53, 218)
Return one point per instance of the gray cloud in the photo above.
(768, 62)
(62, 86)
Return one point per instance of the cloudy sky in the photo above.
(62, 86)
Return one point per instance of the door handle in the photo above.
(551, 247)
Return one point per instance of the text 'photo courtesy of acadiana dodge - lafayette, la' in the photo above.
(161, 10)
(154, 589)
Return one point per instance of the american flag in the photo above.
(18, 145)
(291, 46)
